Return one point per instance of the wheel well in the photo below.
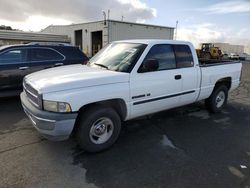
(117, 104)
(224, 81)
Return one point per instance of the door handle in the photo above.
(23, 68)
(58, 64)
(177, 77)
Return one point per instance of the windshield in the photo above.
(119, 57)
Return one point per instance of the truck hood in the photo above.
(73, 77)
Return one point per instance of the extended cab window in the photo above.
(183, 55)
(164, 54)
(43, 54)
(13, 56)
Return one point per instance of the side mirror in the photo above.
(150, 65)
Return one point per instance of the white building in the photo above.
(230, 48)
(247, 49)
(92, 36)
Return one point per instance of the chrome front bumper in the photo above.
(53, 126)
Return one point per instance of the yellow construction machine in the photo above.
(209, 51)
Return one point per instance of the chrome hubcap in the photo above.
(101, 130)
(220, 99)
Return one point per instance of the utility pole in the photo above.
(108, 13)
(176, 29)
(105, 17)
(122, 18)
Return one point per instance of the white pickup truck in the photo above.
(125, 80)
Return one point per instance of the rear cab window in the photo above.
(183, 56)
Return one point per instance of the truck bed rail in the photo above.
(215, 62)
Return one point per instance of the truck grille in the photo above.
(32, 94)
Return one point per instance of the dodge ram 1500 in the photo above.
(125, 80)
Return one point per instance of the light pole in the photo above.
(108, 13)
(105, 17)
(176, 29)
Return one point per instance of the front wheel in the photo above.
(218, 99)
(98, 129)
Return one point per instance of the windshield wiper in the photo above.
(101, 65)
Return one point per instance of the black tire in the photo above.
(211, 103)
(87, 120)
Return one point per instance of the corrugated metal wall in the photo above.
(12, 37)
(124, 30)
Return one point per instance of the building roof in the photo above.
(143, 24)
(32, 36)
(115, 21)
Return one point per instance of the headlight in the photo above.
(56, 106)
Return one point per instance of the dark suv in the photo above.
(19, 60)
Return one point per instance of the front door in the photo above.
(159, 89)
(13, 67)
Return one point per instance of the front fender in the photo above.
(80, 97)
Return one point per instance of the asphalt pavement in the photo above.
(185, 147)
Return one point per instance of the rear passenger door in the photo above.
(43, 58)
(189, 73)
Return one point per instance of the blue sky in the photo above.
(199, 20)
(197, 12)
(219, 21)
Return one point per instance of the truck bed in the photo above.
(211, 73)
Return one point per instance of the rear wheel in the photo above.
(218, 99)
(98, 129)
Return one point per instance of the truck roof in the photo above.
(155, 41)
